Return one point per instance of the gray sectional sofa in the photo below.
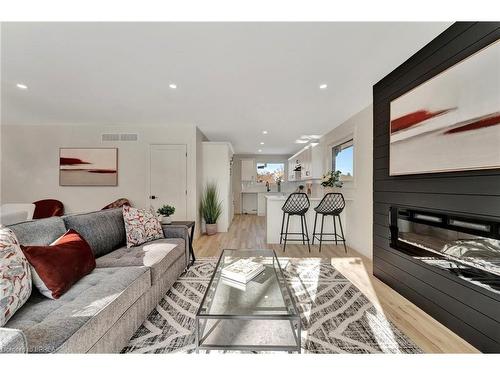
(100, 312)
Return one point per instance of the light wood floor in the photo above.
(248, 231)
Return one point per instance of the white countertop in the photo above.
(261, 192)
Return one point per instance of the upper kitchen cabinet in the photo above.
(316, 162)
(292, 163)
(309, 162)
(248, 170)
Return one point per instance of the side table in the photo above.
(189, 225)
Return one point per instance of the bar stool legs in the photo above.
(335, 230)
(286, 234)
(297, 204)
(314, 229)
(304, 234)
(307, 233)
(282, 226)
(337, 237)
(342, 232)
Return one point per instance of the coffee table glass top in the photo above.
(265, 295)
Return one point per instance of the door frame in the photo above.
(148, 172)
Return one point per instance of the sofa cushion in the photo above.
(15, 276)
(57, 267)
(141, 226)
(12, 341)
(159, 255)
(39, 232)
(74, 322)
(103, 230)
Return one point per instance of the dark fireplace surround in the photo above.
(467, 248)
(436, 235)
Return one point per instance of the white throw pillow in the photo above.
(39, 284)
(15, 276)
(141, 226)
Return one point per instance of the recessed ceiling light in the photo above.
(172, 86)
(22, 86)
(260, 150)
(301, 141)
(264, 131)
(261, 143)
(323, 86)
(310, 136)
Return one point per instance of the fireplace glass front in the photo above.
(465, 247)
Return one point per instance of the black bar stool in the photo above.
(332, 204)
(296, 204)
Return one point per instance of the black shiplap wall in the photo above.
(467, 310)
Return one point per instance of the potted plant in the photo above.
(165, 211)
(210, 208)
(331, 180)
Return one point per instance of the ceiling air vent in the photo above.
(110, 137)
(126, 137)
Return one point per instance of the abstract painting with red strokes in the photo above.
(88, 166)
(450, 122)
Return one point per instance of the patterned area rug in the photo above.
(336, 316)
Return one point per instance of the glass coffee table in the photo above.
(258, 316)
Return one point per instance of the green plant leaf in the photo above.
(211, 206)
(166, 210)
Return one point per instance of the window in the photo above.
(270, 172)
(343, 159)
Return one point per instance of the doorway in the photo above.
(168, 178)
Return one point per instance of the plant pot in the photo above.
(330, 189)
(211, 229)
(166, 220)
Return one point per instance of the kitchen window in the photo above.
(343, 159)
(270, 172)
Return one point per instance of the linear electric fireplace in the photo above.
(465, 247)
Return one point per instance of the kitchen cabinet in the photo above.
(317, 169)
(305, 157)
(291, 167)
(311, 162)
(249, 203)
(248, 170)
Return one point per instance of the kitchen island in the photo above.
(274, 217)
(254, 202)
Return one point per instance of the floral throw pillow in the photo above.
(141, 226)
(15, 276)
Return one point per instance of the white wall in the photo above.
(200, 138)
(360, 211)
(30, 162)
(216, 167)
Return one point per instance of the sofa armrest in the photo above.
(178, 231)
(12, 341)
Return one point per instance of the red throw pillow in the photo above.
(61, 264)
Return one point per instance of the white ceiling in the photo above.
(234, 79)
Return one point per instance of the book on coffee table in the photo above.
(242, 271)
(234, 284)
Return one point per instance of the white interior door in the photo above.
(168, 178)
